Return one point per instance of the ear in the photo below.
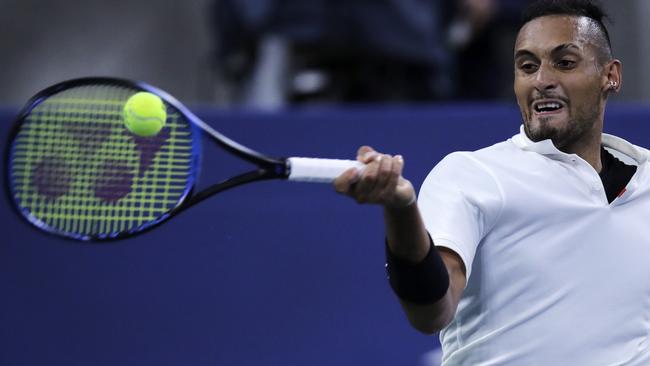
(612, 76)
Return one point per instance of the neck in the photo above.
(588, 148)
(588, 145)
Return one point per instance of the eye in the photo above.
(566, 64)
(528, 67)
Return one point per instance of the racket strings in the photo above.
(76, 169)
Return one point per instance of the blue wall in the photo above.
(274, 273)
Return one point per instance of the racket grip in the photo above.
(319, 170)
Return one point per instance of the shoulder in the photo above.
(471, 173)
(480, 176)
(483, 159)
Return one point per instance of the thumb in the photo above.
(365, 154)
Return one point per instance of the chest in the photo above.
(557, 230)
(568, 242)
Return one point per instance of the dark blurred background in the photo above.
(272, 273)
(274, 53)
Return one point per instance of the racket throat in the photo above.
(248, 177)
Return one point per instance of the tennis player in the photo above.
(536, 250)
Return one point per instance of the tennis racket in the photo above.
(74, 170)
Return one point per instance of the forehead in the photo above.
(547, 32)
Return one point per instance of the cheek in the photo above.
(521, 94)
(523, 84)
(584, 94)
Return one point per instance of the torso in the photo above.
(562, 276)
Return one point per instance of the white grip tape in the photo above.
(319, 170)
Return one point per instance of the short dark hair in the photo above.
(591, 9)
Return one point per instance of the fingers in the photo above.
(344, 182)
(389, 172)
(372, 175)
(365, 154)
(377, 183)
(393, 172)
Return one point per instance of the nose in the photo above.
(545, 79)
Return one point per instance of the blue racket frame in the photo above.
(268, 167)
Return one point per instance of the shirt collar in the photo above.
(621, 149)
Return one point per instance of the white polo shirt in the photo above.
(555, 274)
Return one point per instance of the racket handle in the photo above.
(319, 170)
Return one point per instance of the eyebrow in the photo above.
(557, 49)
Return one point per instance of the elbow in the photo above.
(429, 326)
(429, 321)
(426, 329)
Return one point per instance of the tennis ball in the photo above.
(144, 114)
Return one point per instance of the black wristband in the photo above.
(424, 282)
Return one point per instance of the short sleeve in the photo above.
(460, 201)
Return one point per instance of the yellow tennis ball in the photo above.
(144, 114)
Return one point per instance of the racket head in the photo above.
(73, 169)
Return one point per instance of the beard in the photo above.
(561, 137)
(575, 129)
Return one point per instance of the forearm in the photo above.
(424, 288)
(405, 233)
(432, 317)
(428, 284)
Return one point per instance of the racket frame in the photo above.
(267, 167)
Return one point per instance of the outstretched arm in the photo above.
(408, 242)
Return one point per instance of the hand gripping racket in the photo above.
(74, 170)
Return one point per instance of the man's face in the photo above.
(559, 81)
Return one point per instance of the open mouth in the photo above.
(547, 107)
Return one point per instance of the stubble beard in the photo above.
(574, 130)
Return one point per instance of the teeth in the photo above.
(548, 106)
